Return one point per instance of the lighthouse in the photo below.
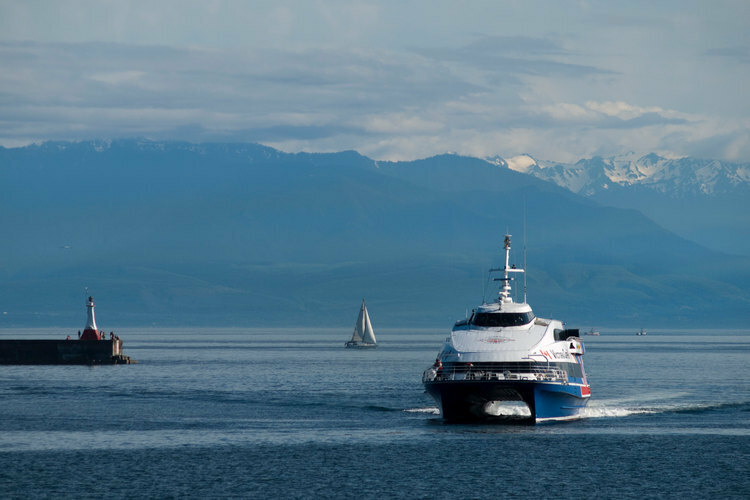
(90, 332)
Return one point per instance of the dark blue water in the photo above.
(291, 413)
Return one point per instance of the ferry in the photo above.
(504, 353)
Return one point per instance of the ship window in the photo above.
(566, 334)
(502, 319)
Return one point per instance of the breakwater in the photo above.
(63, 352)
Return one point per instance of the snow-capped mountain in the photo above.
(676, 177)
(706, 201)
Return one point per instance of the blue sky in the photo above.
(559, 80)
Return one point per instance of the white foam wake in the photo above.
(611, 408)
(595, 411)
(507, 409)
(428, 410)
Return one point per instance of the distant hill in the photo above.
(706, 201)
(240, 234)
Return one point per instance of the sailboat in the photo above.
(363, 335)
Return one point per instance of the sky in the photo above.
(393, 80)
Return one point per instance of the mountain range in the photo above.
(707, 201)
(180, 234)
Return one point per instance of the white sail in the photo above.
(359, 326)
(369, 334)
(363, 335)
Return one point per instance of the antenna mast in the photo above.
(524, 248)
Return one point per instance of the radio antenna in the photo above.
(524, 248)
(484, 287)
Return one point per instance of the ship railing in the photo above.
(503, 371)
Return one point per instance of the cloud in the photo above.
(270, 90)
(737, 54)
(607, 115)
(712, 138)
(621, 109)
(401, 123)
(494, 95)
(514, 56)
(569, 112)
(118, 77)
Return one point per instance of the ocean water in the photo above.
(266, 413)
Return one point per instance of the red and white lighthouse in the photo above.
(90, 332)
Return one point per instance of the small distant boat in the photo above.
(641, 332)
(363, 336)
(593, 332)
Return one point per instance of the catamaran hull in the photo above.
(466, 401)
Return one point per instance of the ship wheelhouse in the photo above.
(499, 315)
(501, 319)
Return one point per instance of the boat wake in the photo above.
(606, 409)
(603, 409)
(429, 410)
(493, 409)
(505, 409)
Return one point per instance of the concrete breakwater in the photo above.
(63, 352)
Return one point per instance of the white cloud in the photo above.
(382, 78)
(567, 112)
(399, 123)
(622, 109)
(119, 77)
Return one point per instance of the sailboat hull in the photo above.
(359, 345)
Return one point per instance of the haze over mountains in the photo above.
(171, 233)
